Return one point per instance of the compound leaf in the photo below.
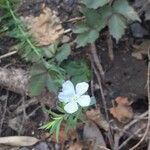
(117, 25)
(87, 37)
(64, 52)
(91, 17)
(52, 85)
(123, 7)
(78, 71)
(37, 84)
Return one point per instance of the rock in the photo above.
(138, 31)
(42, 146)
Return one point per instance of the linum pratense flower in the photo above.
(74, 96)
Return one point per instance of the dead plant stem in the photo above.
(97, 60)
(103, 100)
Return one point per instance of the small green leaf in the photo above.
(58, 129)
(37, 69)
(123, 7)
(80, 27)
(93, 100)
(86, 38)
(37, 84)
(78, 71)
(50, 51)
(91, 17)
(94, 3)
(117, 25)
(52, 85)
(64, 52)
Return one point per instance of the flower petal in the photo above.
(67, 92)
(63, 97)
(68, 88)
(84, 100)
(71, 107)
(81, 88)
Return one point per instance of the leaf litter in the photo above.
(45, 28)
(122, 111)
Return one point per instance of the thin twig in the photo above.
(124, 130)
(8, 54)
(67, 31)
(110, 47)
(129, 138)
(148, 90)
(97, 60)
(103, 100)
(76, 19)
(24, 118)
(3, 115)
(143, 7)
(132, 123)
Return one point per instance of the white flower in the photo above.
(74, 96)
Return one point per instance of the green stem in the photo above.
(21, 30)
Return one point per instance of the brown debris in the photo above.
(70, 136)
(45, 28)
(123, 111)
(95, 116)
(140, 50)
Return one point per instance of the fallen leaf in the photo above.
(122, 100)
(15, 123)
(45, 28)
(140, 50)
(18, 140)
(123, 111)
(63, 137)
(76, 146)
(92, 133)
(95, 116)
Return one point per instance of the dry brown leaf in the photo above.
(45, 28)
(95, 116)
(70, 136)
(140, 50)
(92, 133)
(18, 140)
(76, 146)
(123, 111)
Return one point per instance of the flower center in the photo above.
(75, 98)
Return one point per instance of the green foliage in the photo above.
(63, 53)
(70, 120)
(54, 125)
(45, 72)
(100, 15)
(78, 71)
(15, 28)
(117, 25)
(45, 76)
(122, 7)
(2, 2)
(87, 37)
(94, 3)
